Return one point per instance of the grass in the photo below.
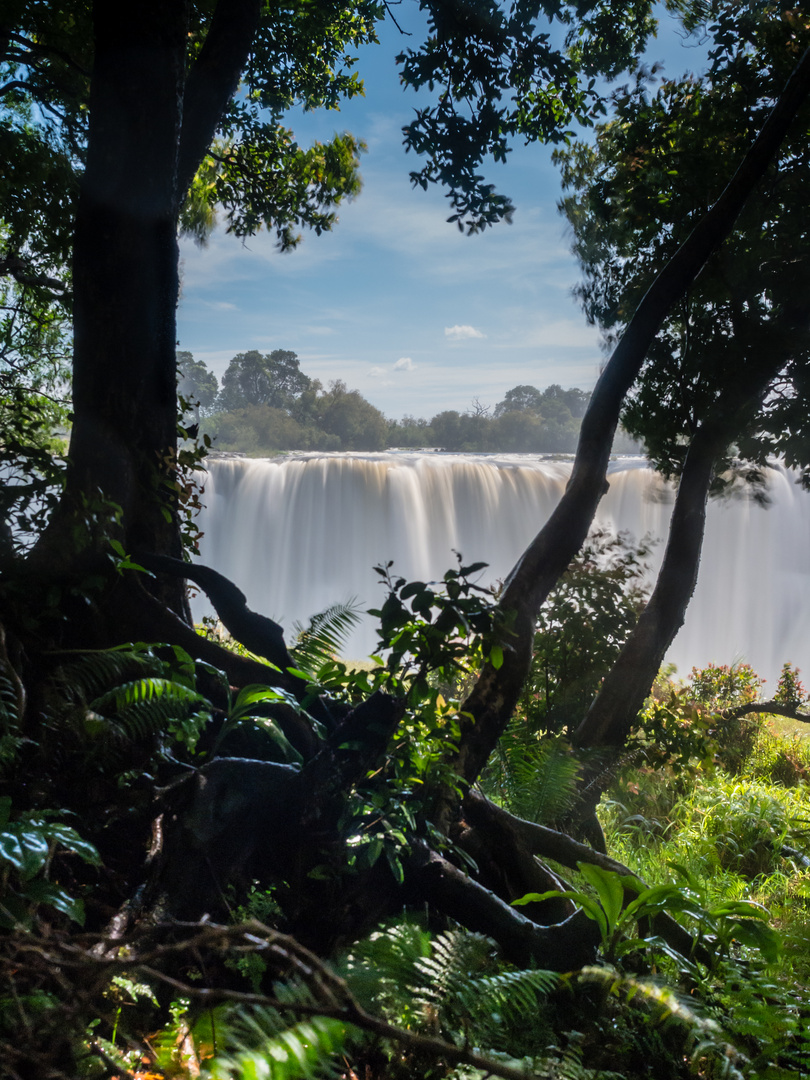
(745, 835)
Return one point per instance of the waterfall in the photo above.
(300, 532)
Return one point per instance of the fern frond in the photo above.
(261, 1042)
(145, 690)
(381, 970)
(456, 954)
(534, 778)
(326, 635)
(10, 738)
(453, 984)
(704, 1035)
(93, 673)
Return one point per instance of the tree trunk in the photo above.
(123, 443)
(496, 693)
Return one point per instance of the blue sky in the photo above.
(396, 301)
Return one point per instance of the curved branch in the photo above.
(213, 80)
(627, 684)
(564, 946)
(773, 708)
(256, 632)
(147, 619)
(94, 959)
(537, 571)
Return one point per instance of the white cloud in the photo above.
(320, 331)
(376, 372)
(404, 364)
(461, 333)
(221, 305)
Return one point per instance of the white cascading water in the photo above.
(299, 533)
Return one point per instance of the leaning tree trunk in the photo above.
(491, 703)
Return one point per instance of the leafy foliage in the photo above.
(634, 196)
(324, 637)
(27, 846)
(500, 76)
(533, 777)
(440, 633)
(582, 628)
(452, 984)
(118, 697)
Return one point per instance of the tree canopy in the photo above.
(274, 379)
(636, 193)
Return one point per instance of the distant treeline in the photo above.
(266, 404)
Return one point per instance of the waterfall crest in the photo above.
(298, 533)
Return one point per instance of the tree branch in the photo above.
(329, 995)
(13, 266)
(773, 708)
(564, 946)
(627, 684)
(213, 80)
(256, 632)
(38, 47)
(145, 618)
(497, 823)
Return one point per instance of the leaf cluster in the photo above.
(498, 74)
(428, 630)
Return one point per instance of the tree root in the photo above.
(499, 826)
(564, 946)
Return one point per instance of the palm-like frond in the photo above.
(92, 673)
(141, 708)
(325, 636)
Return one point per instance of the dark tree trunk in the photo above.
(123, 443)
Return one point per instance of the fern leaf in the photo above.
(149, 689)
(326, 635)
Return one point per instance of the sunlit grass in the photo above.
(744, 836)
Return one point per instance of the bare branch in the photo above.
(102, 957)
(772, 708)
(13, 266)
(563, 946)
(43, 50)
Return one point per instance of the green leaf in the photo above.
(298, 673)
(591, 908)
(758, 935)
(70, 839)
(45, 892)
(608, 888)
(496, 656)
(253, 694)
(25, 848)
(663, 898)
